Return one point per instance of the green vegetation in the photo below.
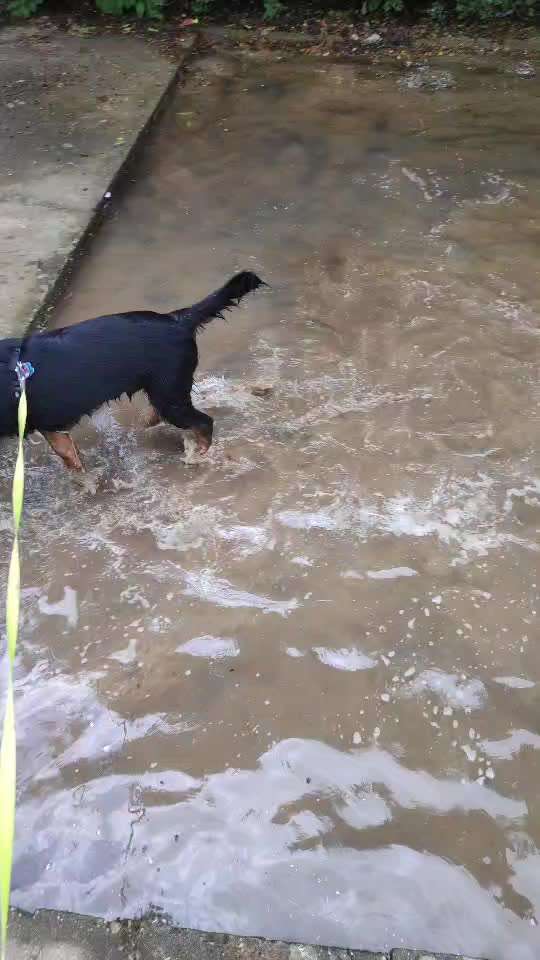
(139, 8)
(441, 11)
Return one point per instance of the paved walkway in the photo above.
(71, 110)
(49, 935)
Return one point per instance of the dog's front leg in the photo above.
(152, 418)
(64, 447)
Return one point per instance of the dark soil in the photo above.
(307, 28)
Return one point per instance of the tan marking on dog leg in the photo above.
(202, 441)
(152, 418)
(64, 446)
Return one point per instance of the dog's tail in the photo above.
(213, 306)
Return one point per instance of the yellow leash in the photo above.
(8, 751)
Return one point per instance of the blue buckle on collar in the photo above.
(24, 371)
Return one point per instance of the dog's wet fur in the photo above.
(78, 369)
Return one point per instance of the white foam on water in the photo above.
(159, 624)
(456, 692)
(216, 391)
(195, 530)
(418, 182)
(209, 647)
(127, 655)
(205, 585)
(392, 573)
(344, 659)
(498, 190)
(465, 514)
(66, 607)
(329, 396)
(298, 520)
(459, 512)
(269, 359)
(334, 770)
(511, 745)
(250, 539)
(529, 493)
(515, 683)
(520, 315)
(204, 526)
(6, 521)
(363, 810)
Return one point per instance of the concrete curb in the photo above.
(52, 935)
(59, 283)
(75, 112)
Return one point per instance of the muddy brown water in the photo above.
(293, 689)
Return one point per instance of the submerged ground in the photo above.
(293, 690)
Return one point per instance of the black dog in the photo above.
(75, 370)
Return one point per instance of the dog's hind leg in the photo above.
(64, 446)
(188, 418)
(184, 416)
(202, 427)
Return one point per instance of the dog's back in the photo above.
(78, 369)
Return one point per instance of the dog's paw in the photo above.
(192, 453)
(88, 480)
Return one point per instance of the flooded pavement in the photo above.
(292, 690)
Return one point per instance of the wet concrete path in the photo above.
(293, 690)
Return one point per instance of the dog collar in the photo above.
(23, 370)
